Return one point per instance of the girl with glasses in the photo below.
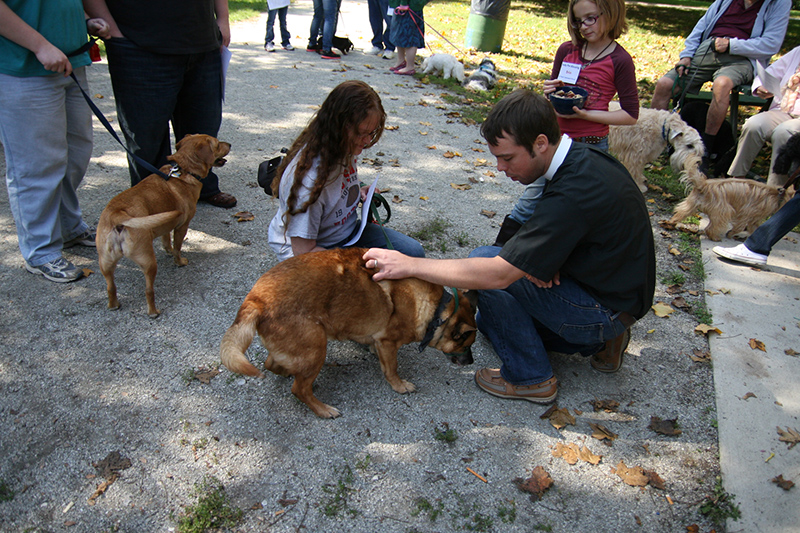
(595, 61)
(317, 182)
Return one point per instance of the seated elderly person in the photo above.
(775, 125)
(724, 46)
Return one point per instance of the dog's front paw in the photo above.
(404, 387)
(181, 261)
(326, 411)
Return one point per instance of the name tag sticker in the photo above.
(569, 73)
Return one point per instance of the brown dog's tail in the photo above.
(691, 176)
(236, 341)
(150, 221)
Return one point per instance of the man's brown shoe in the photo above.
(221, 199)
(609, 359)
(490, 380)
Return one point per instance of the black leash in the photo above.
(104, 121)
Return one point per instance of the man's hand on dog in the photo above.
(388, 264)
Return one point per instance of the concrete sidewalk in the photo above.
(757, 391)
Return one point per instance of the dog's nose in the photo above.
(463, 358)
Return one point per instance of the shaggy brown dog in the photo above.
(304, 301)
(733, 205)
(152, 208)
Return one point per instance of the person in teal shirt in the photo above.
(46, 128)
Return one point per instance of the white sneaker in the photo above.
(374, 51)
(741, 254)
(269, 47)
(388, 54)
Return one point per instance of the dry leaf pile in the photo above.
(536, 485)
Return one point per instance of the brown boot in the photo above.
(609, 359)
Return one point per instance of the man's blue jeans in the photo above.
(767, 234)
(153, 90)
(378, 16)
(326, 14)
(523, 322)
(374, 237)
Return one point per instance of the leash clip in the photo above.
(175, 171)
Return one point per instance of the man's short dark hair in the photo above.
(523, 115)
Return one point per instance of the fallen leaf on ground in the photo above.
(634, 476)
(425, 124)
(681, 304)
(481, 162)
(705, 329)
(789, 436)
(450, 155)
(609, 406)
(700, 356)
(461, 186)
(206, 375)
(488, 214)
(87, 272)
(423, 132)
(785, 484)
(675, 289)
(601, 432)
(113, 463)
(665, 427)
(423, 198)
(724, 290)
(558, 417)
(571, 453)
(655, 481)
(749, 395)
(536, 485)
(791, 352)
(244, 216)
(478, 149)
(391, 128)
(674, 251)
(662, 310)
(396, 199)
(756, 344)
(431, 147)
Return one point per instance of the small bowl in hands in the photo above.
(566, 97)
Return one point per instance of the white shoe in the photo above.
(388, 54)
(741, 254)
(374, 51)
(269, 47)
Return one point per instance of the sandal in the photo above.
(398, 67)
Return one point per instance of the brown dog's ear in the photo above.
(472, 298)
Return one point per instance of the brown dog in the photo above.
(304, 301)
(154, 207)
(740, 204)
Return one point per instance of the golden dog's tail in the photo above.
(236, 341)
(692, 177)
(150, 221)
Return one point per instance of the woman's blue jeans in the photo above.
(524, 322)
(153, 89)
(326, 14)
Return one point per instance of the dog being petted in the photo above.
(156, 207)
(300, 304)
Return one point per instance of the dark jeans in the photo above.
(153, 90)
(378, 15)
(523, 322)
(767, 234)
(326, 14)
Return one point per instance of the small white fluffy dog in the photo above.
(637, 145)
(448, 65)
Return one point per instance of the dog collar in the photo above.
(175, 171)
(437, 320)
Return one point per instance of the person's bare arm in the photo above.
(469, 273)
(221, 10)
(302, 246)
(13, 28)
(99, 9)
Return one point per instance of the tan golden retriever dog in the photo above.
(152, 208)
(733, 205)
(304, 301)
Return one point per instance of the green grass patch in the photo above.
(6, 493)
(720, 506)
(212, 511)
(336, 501)
(446, 434)
(421, 505)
